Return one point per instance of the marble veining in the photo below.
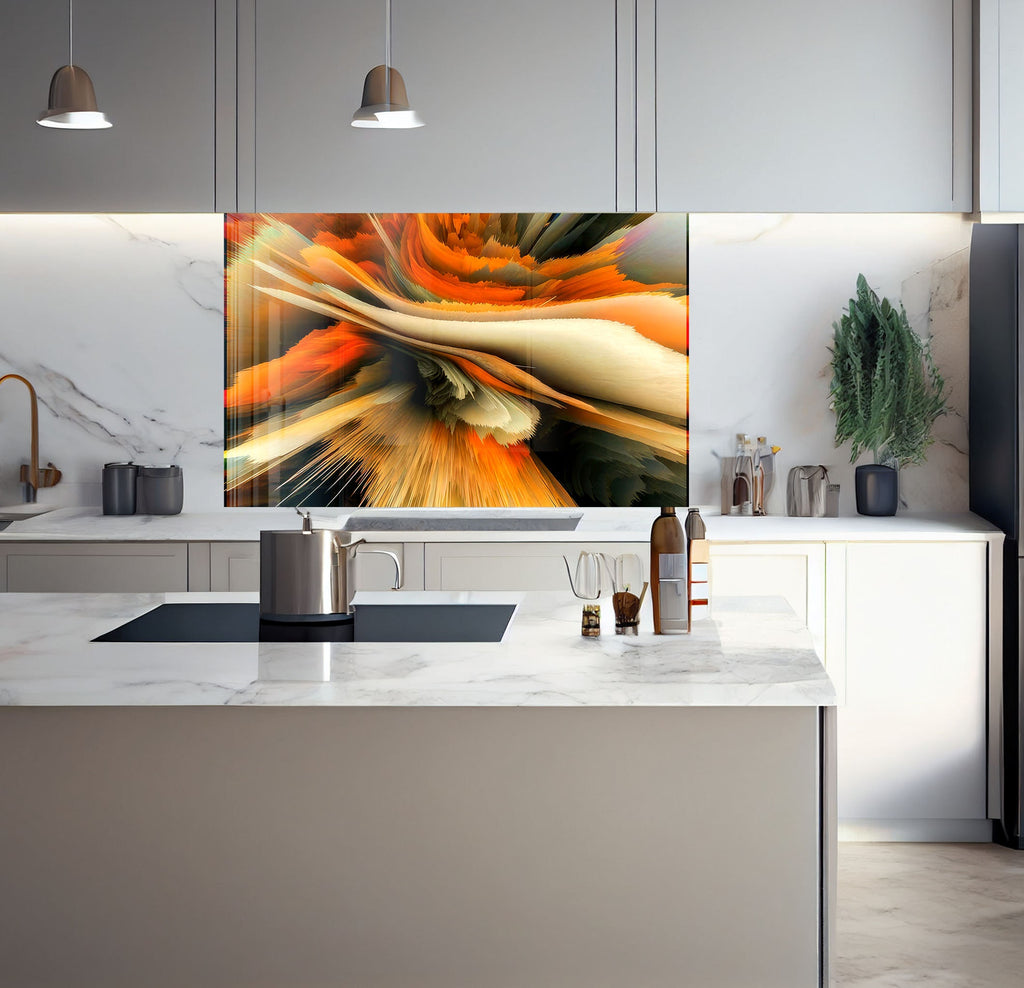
(121, 332)
(745, 656)
(764, 292)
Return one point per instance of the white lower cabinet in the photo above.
(794, 571)
(912, 749)
(902, 629)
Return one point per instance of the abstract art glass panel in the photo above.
(456, 359)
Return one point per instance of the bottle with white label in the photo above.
(668, 574)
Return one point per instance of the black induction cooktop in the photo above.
(240, 622)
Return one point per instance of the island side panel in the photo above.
(442, 847)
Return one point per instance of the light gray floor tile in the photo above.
(942, 915)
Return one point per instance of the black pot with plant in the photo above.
(886, 393)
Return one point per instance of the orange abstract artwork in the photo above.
(456, 359)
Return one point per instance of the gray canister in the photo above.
(119, 488)
(160, 490)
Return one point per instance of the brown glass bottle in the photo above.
(668, 573)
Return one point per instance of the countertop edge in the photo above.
(69, 525)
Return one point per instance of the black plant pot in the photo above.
(878, 489)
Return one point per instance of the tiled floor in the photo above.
(941, 915)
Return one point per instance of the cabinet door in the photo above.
(513, 565)
(1001, 105)
(795, 572)
(98, 567)
(518, 100)
(153, 69)
(800, 105)
(235, 566)
(911, 745)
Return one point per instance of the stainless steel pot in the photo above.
(306, 574)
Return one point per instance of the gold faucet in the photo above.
(30, 476)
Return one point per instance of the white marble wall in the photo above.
(117, 320)
(764, 292)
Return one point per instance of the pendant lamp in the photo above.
(385, 102)
(72, 104)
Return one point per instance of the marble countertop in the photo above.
(753, 652)
(596, 525)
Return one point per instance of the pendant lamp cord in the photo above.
(71, 32)
(387, 53)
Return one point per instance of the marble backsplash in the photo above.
(117, 320)
(764, 292)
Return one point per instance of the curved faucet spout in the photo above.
(30, 475)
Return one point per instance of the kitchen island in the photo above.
(544, 810)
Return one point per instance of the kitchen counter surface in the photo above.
(754, 652)
(596, 525)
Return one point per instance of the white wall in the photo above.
(117, 320)
(764, 292)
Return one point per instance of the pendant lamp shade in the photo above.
(385, 103)
(72, 103)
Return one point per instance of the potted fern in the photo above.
(886, 393)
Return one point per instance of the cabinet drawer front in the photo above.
(514, 565)
(793, 571)
(756, 575)
(235, 566)
(97, 569)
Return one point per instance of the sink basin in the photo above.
(240, 622)
(468, 520)
(18, 512)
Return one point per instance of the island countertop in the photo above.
(752, 652)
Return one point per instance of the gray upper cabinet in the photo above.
(548, 105)
(999, 164)
(153, 69)
(800, 105)
(519, 102)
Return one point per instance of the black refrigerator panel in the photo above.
(995, 431)
(1007, 829)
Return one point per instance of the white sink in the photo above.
(18, 512)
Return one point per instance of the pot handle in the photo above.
(343, 546)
